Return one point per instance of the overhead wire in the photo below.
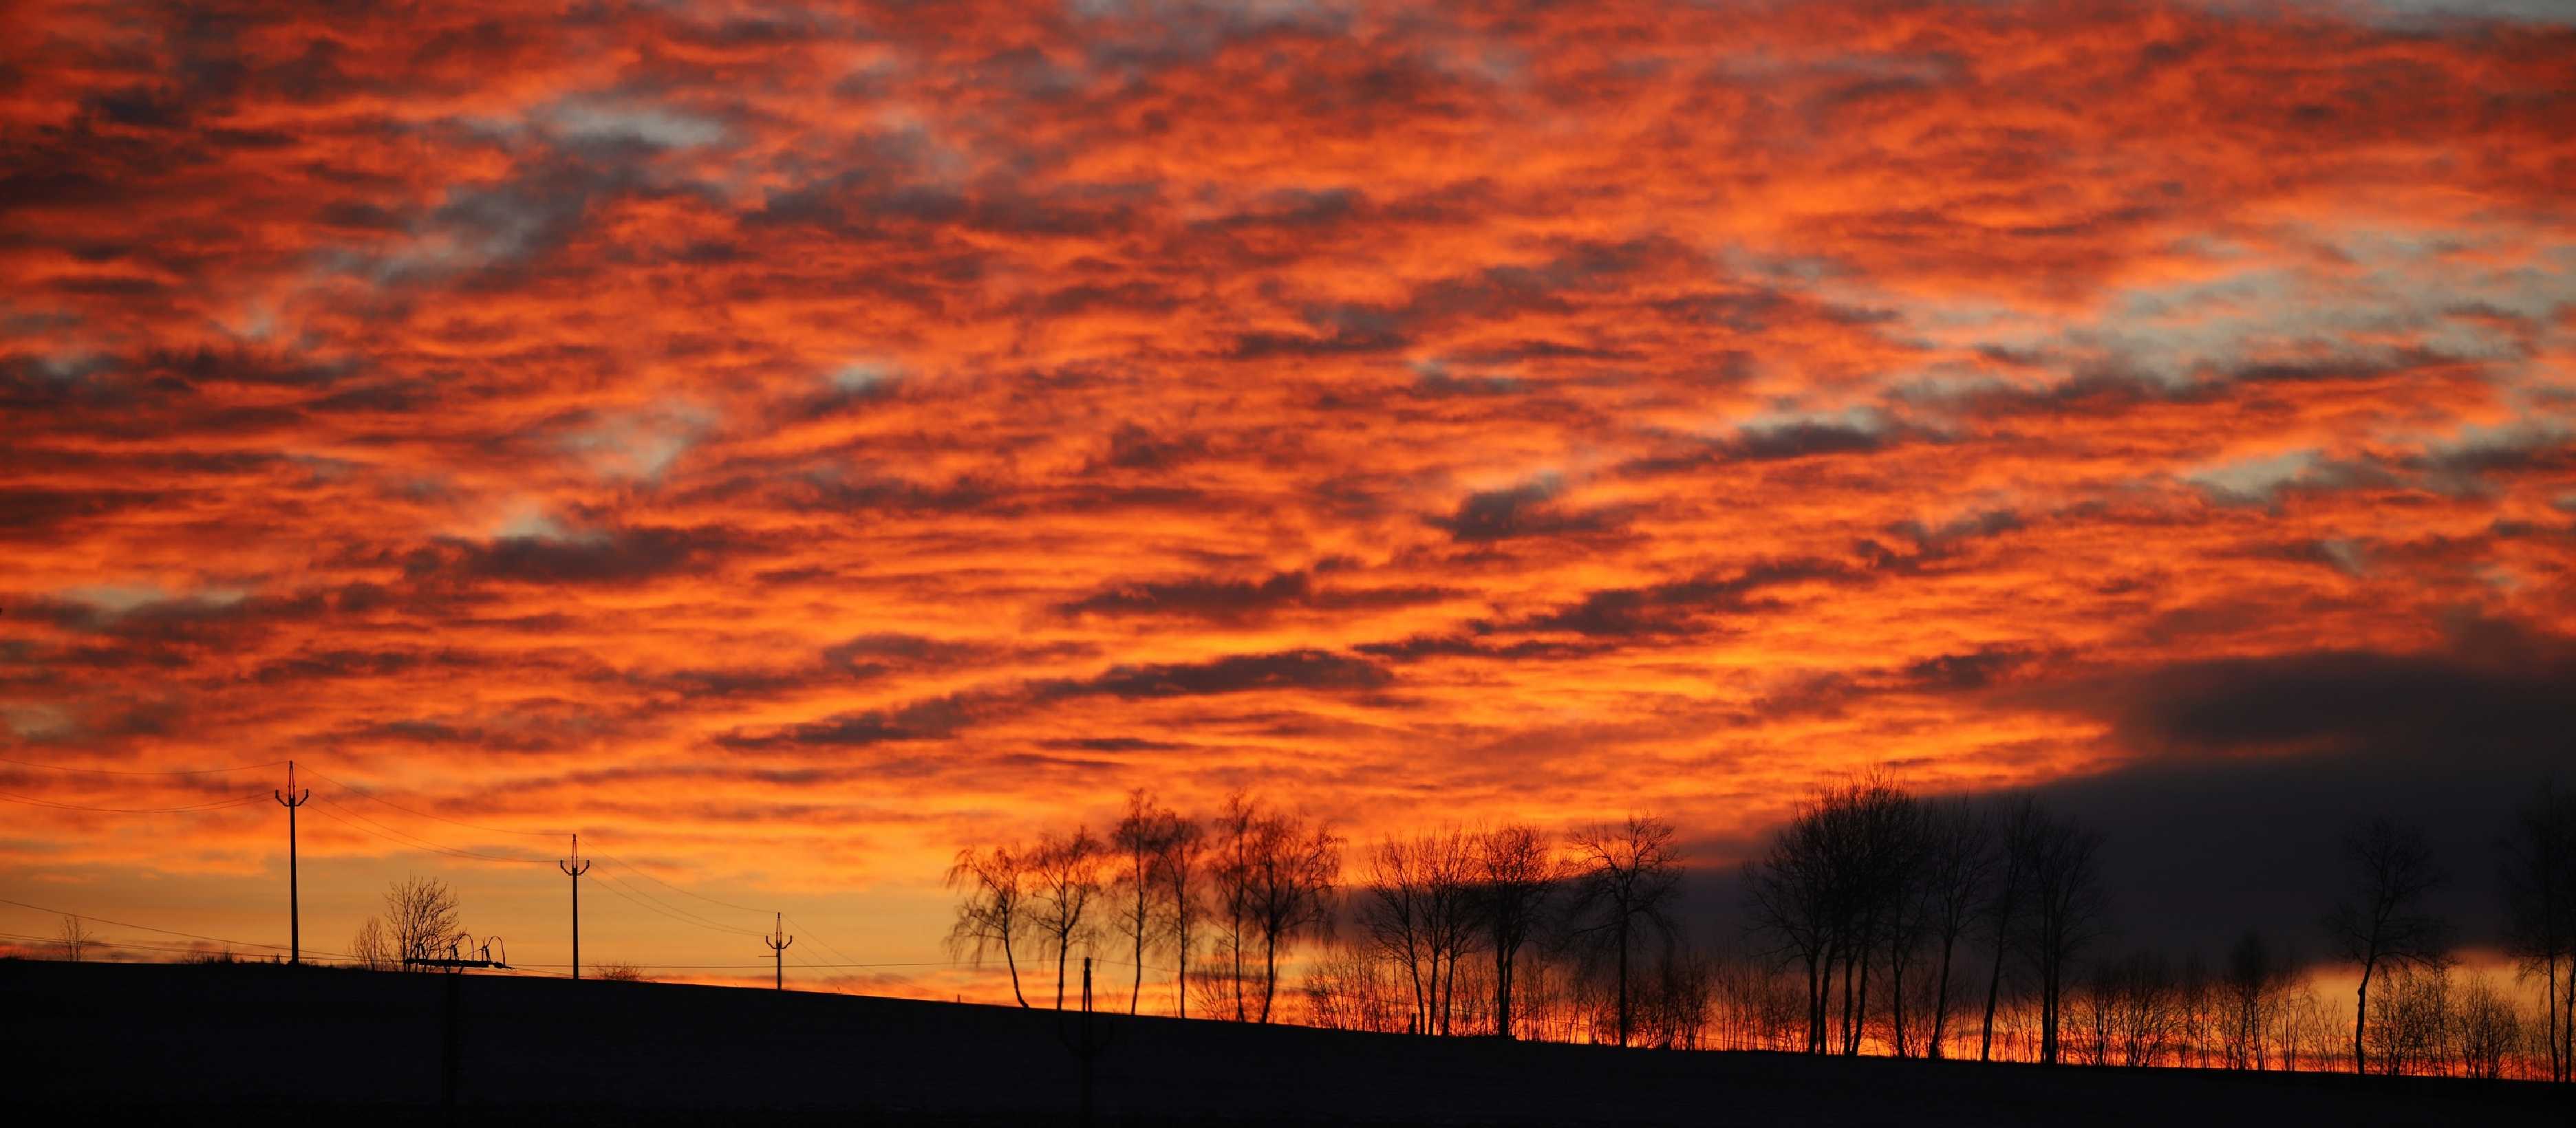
(163, 931)
(363, 793)
(194, 808)
(621, 889)
(411, 841)
(676, 889)
(128, 945)
(132, 772)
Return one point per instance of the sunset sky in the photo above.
(786, 444)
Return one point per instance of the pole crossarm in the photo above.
(574, 867)
(777, 942)
(291, 798)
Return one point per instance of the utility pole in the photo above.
(778, 942)
(1087, 1042)
(294, 896)
(574, 867)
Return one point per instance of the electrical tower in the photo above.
(778, 942)
(291, 799)
(574, 867)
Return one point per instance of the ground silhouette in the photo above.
(191, 1042)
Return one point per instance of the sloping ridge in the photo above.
(355, 1047)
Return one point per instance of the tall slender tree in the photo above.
(993, 913)
(1516, 877)
(2540, 906)
(2067, 905)
(2383, 919)
(1627, 879)
(1176, 872)
(1064, 880)
(1141, 842)
(1958, 863)
(2005, 905)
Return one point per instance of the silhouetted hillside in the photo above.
(124, 1041)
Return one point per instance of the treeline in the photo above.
(1877, 921)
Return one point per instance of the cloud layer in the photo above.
(846, 431)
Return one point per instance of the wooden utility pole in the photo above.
(778, 942)
(574, 867)
(291, 799)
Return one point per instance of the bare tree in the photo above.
(2540, 905)
(1140, 842)
(2254, 979)
(1844, 889)
(2005, 904)
(1627, 879)
(1394, 914)
(1287, 890)
(1236, 830)
(1064, 879)
(2490, 1029)
(1516, 877)
(2410, 1019)
(1418, 914)
(993, 915)
(2382, 919)
(420, 918)
(619, 972)
(1958, 864)
(373, 950)
(1274, 878)
(1177, 875)
(73, 938)
(1793, 894)
(2067, 904)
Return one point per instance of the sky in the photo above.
(788, 443)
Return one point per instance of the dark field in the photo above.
(91, 1043)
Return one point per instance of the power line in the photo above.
(363, 793)
(637, 896)
(56, 941)
(409, 841)
(676, 889)
(129, 772)
(163, 931)
(630, 868)
(194, 808)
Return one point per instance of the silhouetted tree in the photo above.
(2382, 919)
(1958, 865)
(1141, 841)
(2491, 1031)
(1793, 893)
(619, 972)
(1235, 831)
(2254, 978)
(2540, 907)
(1842, 890)
(1419, 913)
(2005, 905)
(1627, 877)
(73, 939)
(1516, 877)
(420, 918)
(1176, 873)
(993, 914)
(373, 950)
(2061, 864)
(1064, 879)
(1286, 889)
(2410, 1019)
